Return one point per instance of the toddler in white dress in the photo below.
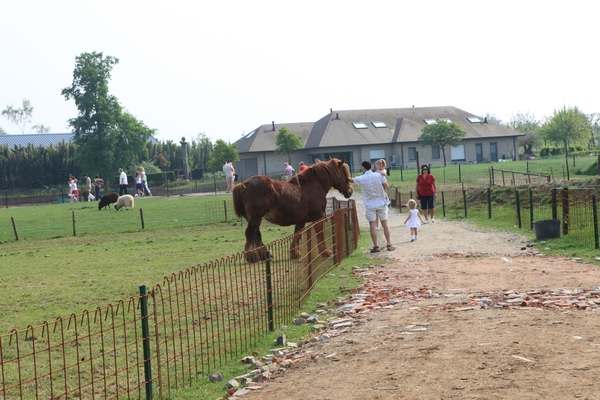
(414, 219)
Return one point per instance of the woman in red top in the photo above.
(426, 192)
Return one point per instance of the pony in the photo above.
(301, 199)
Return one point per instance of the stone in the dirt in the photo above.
(215, 377)
(281, 340)
(312, 319)
(232, 384)
(240, 392)
(299, 321)
(304, 315)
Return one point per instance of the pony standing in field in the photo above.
(297, 201)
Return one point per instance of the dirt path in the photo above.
(460, 314)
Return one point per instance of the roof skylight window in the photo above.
(359, 125)
(249, 135)
(430, 121)
(474, 120)
(444, 119)
(379, 124)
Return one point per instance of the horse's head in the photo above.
(342, 182)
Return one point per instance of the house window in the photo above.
(359, 125)
(435, 152)
(412, 153)
(379, 124)
(458, 153)
(430, 121)
(474, 120)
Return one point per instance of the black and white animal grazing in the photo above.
(107, 199)
(126, 201)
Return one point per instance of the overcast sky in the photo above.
(227, 67)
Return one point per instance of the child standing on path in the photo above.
(414, 219)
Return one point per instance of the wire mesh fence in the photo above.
(187, 325)
(576, 209)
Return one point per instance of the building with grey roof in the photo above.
(36, 139)
(391, 134)
(40, 139)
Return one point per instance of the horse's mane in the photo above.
(327, 171)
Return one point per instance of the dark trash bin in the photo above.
(547, 229)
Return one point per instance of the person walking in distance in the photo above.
(229, 171)
(414, 219)
(373, 186)
(122, 182)
(426, 193)
(97, 183)
(302, 166)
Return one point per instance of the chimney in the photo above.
(485, 121)
(273, 122)
(331, 110)
(337, 116)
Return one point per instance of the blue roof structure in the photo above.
(40, 139)
(37, 139)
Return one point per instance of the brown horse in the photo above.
(301, 199)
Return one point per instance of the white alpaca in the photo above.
(124, 201)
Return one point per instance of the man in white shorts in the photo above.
(229, 171)
(373, 186)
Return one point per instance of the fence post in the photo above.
(489, 199)
(14, 224)
(465, 201)
(142, 217)
(74, 230)
(269, 294)
(554, 203)
(443, 205)
(492, 181)
(595, 211)
(565, 210)
(215, 183)
(225, 208)
(146, 341)
(459, 174)
(518, 208)
(531, 207)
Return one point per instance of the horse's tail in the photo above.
(238, 200)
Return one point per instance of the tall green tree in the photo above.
(594, 119)
(442, 134)
(40, 128)
(19, 116)
(222, 151)
(567, 125)
(202, 149)
(287, 141)
(107, 138)
(526, 123)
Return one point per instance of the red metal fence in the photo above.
(194, 321)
